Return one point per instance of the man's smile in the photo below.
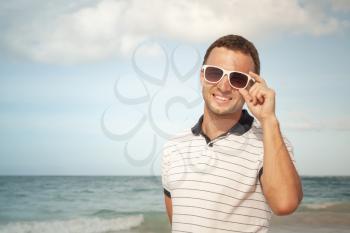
(221, 98)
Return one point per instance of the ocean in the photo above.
(129, 204)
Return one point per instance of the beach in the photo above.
(122, 204)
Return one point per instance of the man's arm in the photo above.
(280, 181)
(169, 207)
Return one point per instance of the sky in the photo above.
(96, 87)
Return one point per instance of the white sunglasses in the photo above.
(237, 79)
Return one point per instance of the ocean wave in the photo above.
(105, 213)
(326, 206)
(79, 225)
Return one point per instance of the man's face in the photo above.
(221, 98)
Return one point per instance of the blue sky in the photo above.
(96, 87)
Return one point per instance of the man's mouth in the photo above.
(222, 98)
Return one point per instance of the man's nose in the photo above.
(224, 84)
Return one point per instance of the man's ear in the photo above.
(201, 78)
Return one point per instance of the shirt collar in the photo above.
(243, 125)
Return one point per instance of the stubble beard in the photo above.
(222, 112)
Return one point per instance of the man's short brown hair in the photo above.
(236, 43)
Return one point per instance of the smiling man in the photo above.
(232, 170)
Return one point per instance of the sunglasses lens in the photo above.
(238, 80)
(213, 74)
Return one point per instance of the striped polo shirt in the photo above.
(214, 184)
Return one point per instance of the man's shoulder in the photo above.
(177, 139)
(255, 132)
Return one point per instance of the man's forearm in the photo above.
(280, 180)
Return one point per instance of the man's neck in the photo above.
(215, 125)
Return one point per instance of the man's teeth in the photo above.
(221, 98)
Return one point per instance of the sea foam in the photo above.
(78, 225)
(338, 207)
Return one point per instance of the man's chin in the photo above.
(223, 111)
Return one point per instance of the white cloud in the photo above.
(106, 28)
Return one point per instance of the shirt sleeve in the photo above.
(165, 163)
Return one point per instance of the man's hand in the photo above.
(260, 99)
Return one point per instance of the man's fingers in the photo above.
(253, 92)
(256, 77)
(245, 95)
(260, 96)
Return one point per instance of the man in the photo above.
(231, 170)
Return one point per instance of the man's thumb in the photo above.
(245, 95)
